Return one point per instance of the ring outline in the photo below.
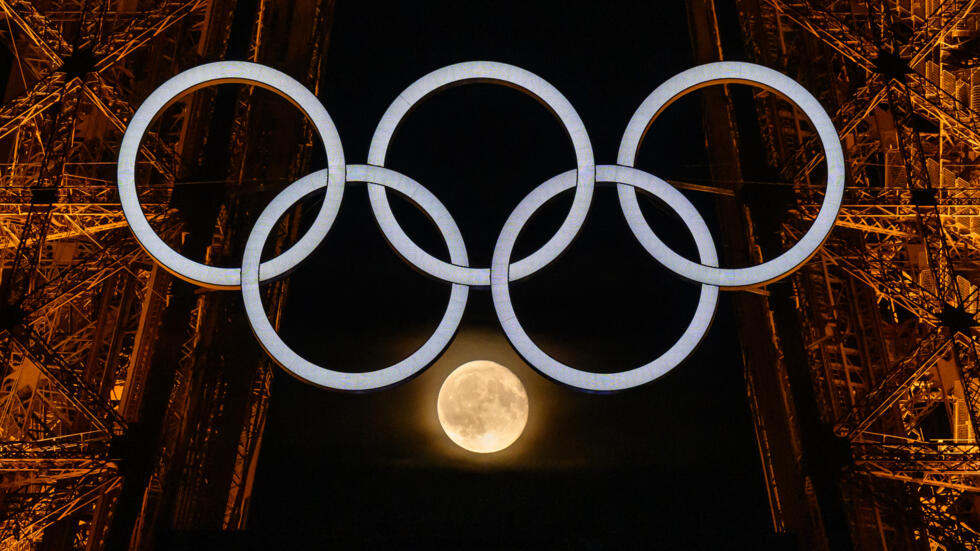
(587, 380)
(742, 73)
(209, 74)
(496, 73)
(320, 376)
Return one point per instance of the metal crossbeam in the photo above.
(900, 376)
(906, 230)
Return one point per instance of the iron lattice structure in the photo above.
(90, 457)
(887, 311)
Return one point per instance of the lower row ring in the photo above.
(499, 282)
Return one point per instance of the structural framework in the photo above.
(863, 371)
(867, 394)
(88, 458)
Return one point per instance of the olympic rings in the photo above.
(457, 271)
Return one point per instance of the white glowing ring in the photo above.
(208, 75)
(586, 380)
(308, 371)
(483, 71)
(744, 73)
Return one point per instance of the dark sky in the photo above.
(670, 465)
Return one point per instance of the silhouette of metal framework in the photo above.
(88, 457)
(866, 408)
(876, 345)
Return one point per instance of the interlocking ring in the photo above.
(533, 85)
(211, 74)
(586, 380)
(339, 380)
(457, 271)
(743, 73)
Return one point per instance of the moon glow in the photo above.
(482, 406)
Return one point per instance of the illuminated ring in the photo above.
(219, 73)
(586, 380)
(483, 71)
(308, 371)
(742, 73)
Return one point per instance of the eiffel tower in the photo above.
(90, 456)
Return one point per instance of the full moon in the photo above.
(482, 406)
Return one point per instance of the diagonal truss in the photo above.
(76, 287)
(889, 306)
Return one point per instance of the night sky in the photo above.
(671, 465)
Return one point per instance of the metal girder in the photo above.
(927, 511)
(51, 459)
(246, 454)
(119, 112)
(111, 255)
(141, 30)
(953, 481)
(68, 380)
(831, 30)
(863, 53)
(50, 503)
(878, 271)
(912, 457)
(88, 230)
(44, 94)
(962, 121)
(54, 86)
(37, 28)
(847, 118)
(927, 212)
(33, 233)
(75, 319)
(906, 371)
(946, 529)
(941, 22)
(906, 230)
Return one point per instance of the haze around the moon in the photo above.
(482, 406)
